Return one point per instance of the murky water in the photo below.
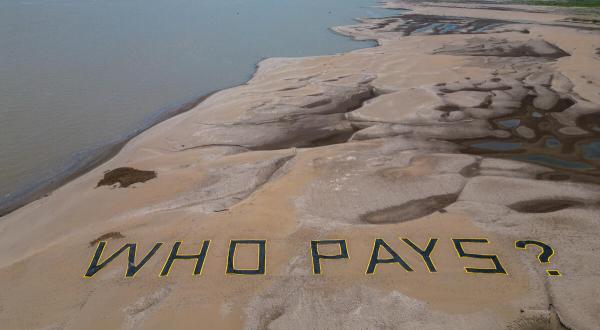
(75, 74)
(537, 138)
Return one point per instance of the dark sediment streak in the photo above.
(86, 161)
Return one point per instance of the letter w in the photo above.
(96, 265)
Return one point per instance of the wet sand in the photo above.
(379, 143)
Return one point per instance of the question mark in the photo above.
(543, 257)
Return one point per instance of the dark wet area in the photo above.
(583, 20)
(538, 137)
(125, 176)
(290, 88)
(544, 205)
(411, 210)
(104, 237)
(410, 24)
(337, 138)
(504, 48)
(448, 107)
(318, 103)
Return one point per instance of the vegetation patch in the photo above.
(126, 176)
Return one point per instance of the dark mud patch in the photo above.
(590, 122)
(537, 135)
(318, 103)
(411, 210)
(563, 104)
(583, 20)
(554, 176)
(448, 107)
(544, 205)
(528, 51)
(503, 48)
(289, 89)
(471, 170)
(125, 177)
(337, 138)
(104, 237)
(435, 25)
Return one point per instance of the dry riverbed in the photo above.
(482, 123)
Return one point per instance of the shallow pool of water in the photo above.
(497, 145)
(510, 123)
(548, 160)
(591, 150)
(552, 142)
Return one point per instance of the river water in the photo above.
(78, 74)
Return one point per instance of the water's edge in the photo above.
(87, 160)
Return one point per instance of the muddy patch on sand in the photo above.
(411, 210)
(125, 177)
(504, 48)
(583, 20)
(544, 126)
(418, 24)
(544, 205)
(537, 136)
(104, 237)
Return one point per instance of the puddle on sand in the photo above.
(552, 142)
(510, 123)
(547, 160)
(432, 24)
(536, 138)
(498, 145)
(591, 150)
(438, 28)
(427, 28)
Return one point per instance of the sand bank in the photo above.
(380, 143)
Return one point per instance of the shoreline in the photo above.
(362, 146)
(87, 160)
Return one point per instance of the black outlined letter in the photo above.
(425, 254)
(316, 257)
(462, 254)
(261, 258)
(132, 268)
(545, 254)
(394, 259)
(174, 256)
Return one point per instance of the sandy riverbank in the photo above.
(375, 143)
(85, 161)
